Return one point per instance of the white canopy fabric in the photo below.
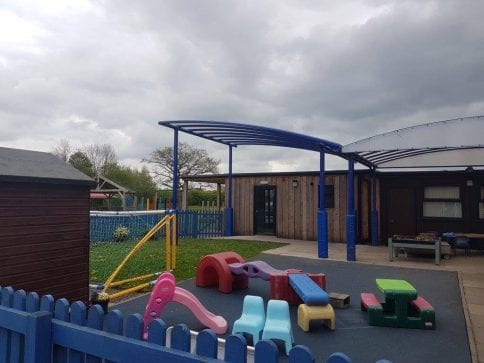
(451, 143)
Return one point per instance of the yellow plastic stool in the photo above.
(306, 313)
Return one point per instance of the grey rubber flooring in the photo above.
(353, 336)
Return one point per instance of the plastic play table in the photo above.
(398, 294)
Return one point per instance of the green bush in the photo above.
(121, 234)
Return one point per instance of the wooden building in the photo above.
(44, 224)
(286, 204)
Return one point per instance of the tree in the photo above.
(63, 150)
(100, 156)
(81, 162)
(191, 161)
(139, 181)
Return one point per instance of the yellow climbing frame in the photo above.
(169, 221)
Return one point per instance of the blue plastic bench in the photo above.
(308, 290)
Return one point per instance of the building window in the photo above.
(442, 202)
(481, 204)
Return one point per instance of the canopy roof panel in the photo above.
(236, 134)
(450, 143)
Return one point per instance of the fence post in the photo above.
(38, 339)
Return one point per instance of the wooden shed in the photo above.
(44, 224)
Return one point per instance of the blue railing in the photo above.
(34, 329)
(191, 224)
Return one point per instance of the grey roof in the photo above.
(26, 165)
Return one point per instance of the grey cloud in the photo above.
(111, 71)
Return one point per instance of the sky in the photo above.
(95, 72)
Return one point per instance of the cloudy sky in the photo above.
(108, 71)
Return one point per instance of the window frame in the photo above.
(443, 200)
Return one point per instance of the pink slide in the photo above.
(165, 291)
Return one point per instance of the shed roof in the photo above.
(451, 143)
(34, 166)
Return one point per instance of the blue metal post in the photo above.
(374, 211)
(350, 217)
(229, 211)
(322, 214)
(175, 170)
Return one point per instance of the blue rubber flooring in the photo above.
(353, 336)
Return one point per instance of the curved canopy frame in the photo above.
(450, 143)
(235, 134)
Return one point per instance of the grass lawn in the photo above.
(105, 257)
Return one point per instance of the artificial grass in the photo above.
(105, 257)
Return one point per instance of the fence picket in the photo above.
(78, 316)
(266, 352)
(95, 319)
(301, 354)
(157, 332)
(207, 344)
(33, 302)
(114, 324)
(61, 312)
(47, 303)
(16, 339)
(7, 297)
(181, 338)
(134, 326)
(7, 301)
(235, 349)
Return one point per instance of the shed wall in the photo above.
(44, 238)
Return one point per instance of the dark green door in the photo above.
(265, 209)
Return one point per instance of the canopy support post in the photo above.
(322, 214)
(350, 217)
(374, 211)
(229, 211)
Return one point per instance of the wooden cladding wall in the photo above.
(44, 238)
(297, 206)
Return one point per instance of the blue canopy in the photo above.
(235, 134)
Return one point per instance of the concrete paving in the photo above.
(470, 270)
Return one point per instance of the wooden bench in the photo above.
(425, 311)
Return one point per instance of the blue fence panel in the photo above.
(71, 334)
(200, 224)
(191, 224)
(104, 224)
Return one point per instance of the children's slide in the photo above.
(165, 291)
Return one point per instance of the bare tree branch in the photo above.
(191, 161)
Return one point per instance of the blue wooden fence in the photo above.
(191, 224)
(34, 329)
